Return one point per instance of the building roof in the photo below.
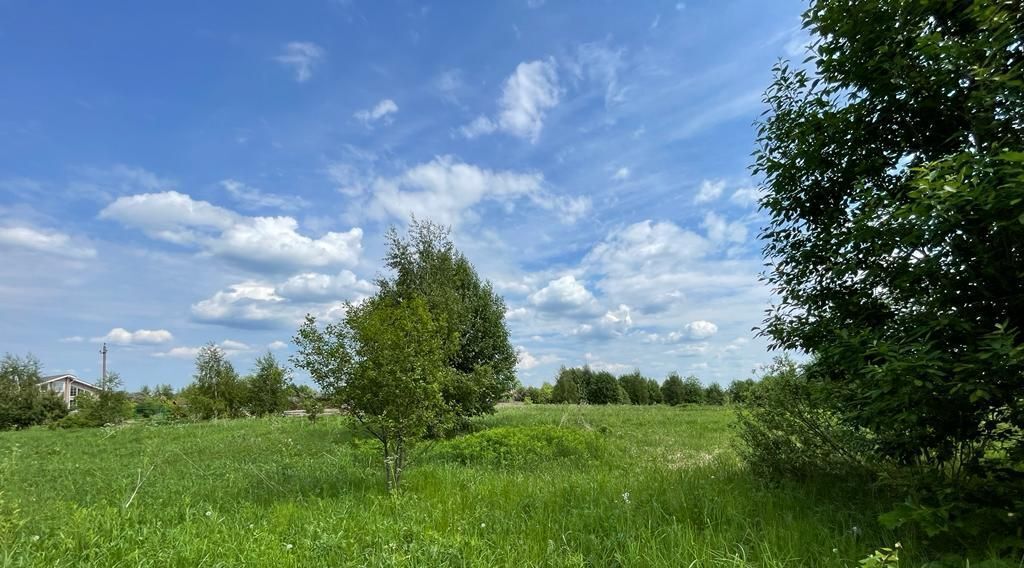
(51, 378)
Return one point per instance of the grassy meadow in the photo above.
(533, 486)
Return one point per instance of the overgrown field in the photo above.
(534, 486)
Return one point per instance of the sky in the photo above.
(182, 173)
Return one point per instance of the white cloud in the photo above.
(72, 339)
(746, 196)
(621, 174)
(526, 97)
(253, 198)
(260, 243)
(277, 345)
(302, 57)
(257, 304)
(312, 286)
(563, 295)
(381, 111)
(598, 364)
(46, 241)
(722, 231)
(445, 190)
(516, 313)
(700, 329)
(122, 336)
(528, 361)
(710, 190)
(245, 305)
(229, 346)
(613, 323)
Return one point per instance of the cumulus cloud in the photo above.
(382, 111)
(710, 190)
(260, 243)
(265, 305)
(46, 241)
(528, 361)
(526, 97)
(563, 295)
(122, 336)
(613, 323)
(276, 345)
(301, 57)
(446, 190)
(621, 174)
(252, 198)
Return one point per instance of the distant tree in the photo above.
(672, 390)
(165, 392)
(623, 396)
(567, 388)
(692, 392)
(738, 390)
(653, 392)
(268, 387)
(216, 390)
(603, 388)
(636, 387)
(22, 403)
(469, 317)
(714, 395)
(546, 392)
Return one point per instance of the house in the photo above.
(67, 386)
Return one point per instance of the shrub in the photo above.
(267, 388)
(22, 404)
(512, 446)
(785, 429)
(567, 387)
(109, 406)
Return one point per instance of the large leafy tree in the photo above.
(464, 308)
(636, 387)
(894, 184)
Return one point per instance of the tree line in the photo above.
(583, 385)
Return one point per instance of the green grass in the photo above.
(285, 492)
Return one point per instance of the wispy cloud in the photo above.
(382, 111)
(302, 57)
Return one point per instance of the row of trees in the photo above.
(578, 385)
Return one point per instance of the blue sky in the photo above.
(211, 171)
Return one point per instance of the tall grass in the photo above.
(653, 486)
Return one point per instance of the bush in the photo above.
(512, 446)
(22, 404)
(786, 430)
(672, 390)
(714, 395)
(567, 387)
(603, 388)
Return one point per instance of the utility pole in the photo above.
(103, 376)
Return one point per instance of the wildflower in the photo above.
(288, 546)
(35, 538)
(483, 525)
(897, 545)
(855, 529)
(625, 497)
(209, 513)
(835, 550)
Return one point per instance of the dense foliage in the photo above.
(894, 184)
(267, 388)
(110, 405)
(425, 353)
(216, 391)
(22, 403)
(465, 309)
